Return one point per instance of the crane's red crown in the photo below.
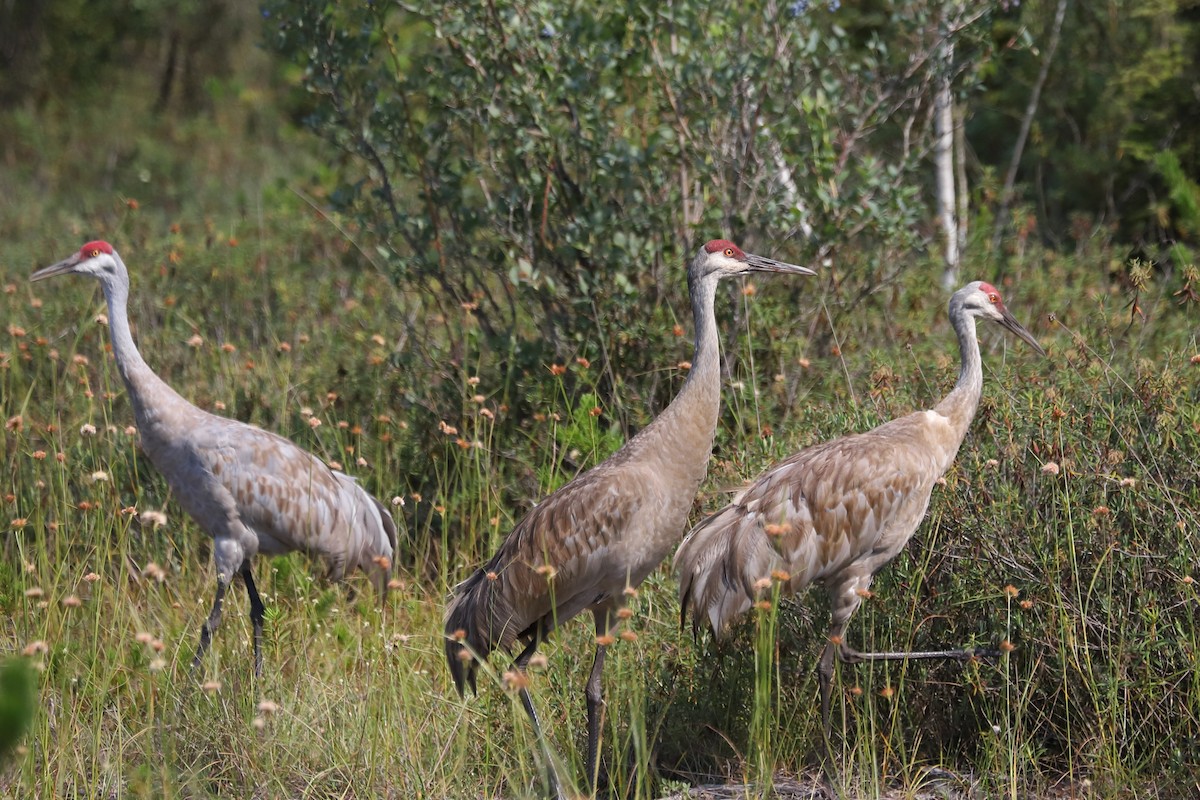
(93, 249)
(718, 245)
(992, 293)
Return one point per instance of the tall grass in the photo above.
(1065, 533)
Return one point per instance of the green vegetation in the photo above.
(1067, 527)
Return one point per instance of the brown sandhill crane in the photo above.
(582, 547)
(838, 512)
(250, 490)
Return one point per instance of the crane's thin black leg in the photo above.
(519, 665)
(210, 625)
(553, 787)
(595, 701)
(836, 646)
(849, 655)
(257, 610)
(825, 673)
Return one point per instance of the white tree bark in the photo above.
(943, 163)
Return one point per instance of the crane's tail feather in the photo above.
(388, 547)
(470, 633)
(373, 543)
(719, 564)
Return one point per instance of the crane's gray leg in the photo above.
(595, 698)
(845, 598)
(553, 787)
(521, 662)
(210, 625)
(257, 612)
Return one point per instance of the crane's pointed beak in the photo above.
(1010, 322)
(61, 268)
(761, 264)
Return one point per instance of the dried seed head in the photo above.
(630, 591)
(71, 601)
(1007, 646)
(157, 664)
(211, 686)
(624, 613)
(605, 640)
(395, 583)
(492, 576)
(777, 530)
(459, 635)
(1011, 590)
(763, 605)
(887, 692)
(142, 637)
(154, 572)
(258, 723)
(35, 648)
(761, 584)
(1050, 468)
(33, 592)
(267, 707)
(629, 636)
(547, 571)
(538, 661)
(515, 680)
(91, 577)
(383, 562)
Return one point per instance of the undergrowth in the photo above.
(1065, 533)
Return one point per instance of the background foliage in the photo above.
(480, 248)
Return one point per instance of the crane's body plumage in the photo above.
(601, 534)
(834, 512)
(250, 490)
(837, 512)
(598, 535)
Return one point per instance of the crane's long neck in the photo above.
(684, 430)
(959, 406)
(148, 393)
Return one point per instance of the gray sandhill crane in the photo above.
(250, 490)
(600, 535)
(837, 512)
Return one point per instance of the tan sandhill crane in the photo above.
(582, 547)
(838, 512)
(250, 490)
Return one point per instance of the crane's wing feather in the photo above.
(290, 499)
(811, 516)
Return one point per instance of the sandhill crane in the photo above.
(838, 512)
(599, 536)
(250, 490)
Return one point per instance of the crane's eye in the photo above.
(95, 252)
(993, 298)
(729, 252)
